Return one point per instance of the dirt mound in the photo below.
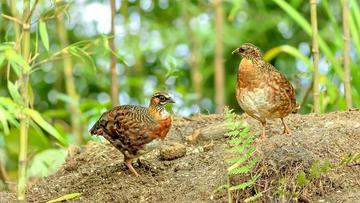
(97, 171)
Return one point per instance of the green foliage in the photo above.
(44, 34)
(301, 179)
(317, 169)
(349, 159)
(245, 158)
(46, 162)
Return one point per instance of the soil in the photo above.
(98, 173)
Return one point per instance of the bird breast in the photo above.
(254, 102)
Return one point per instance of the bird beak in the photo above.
(170, 100)
(236, 51)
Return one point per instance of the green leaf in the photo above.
(13, 90)
(3, 120)
(326, 166)
(46, 162)
(314, 170)
(120, 58)
(87, 57)
(253, 198)
(305, 25)
(82, 55)
(270, 54)
(247, 184)
(38, 119)
(301, 179)
(245, 168)
(13, 57)
(65, 197)
(44, 34)
(2, 59)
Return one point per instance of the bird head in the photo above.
(248, 50)
(161, 99)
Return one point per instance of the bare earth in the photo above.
(98, 173)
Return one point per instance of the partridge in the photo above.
(261, 90)
(135, 130)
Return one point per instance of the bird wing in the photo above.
(126, 126)
(283, 89)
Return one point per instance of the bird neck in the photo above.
(257, 61)
(158, 111)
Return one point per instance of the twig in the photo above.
(31, 11)
(12, 18)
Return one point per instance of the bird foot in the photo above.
(143, 164)
(261, 139)
(286, 131)
(131, 168)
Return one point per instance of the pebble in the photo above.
(172, 151)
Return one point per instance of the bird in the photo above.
(136, 130)
(262, 91)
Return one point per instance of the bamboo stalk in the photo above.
(347, 82)
(114, 75)
(219, 61)
(74, 108)
(24, 121)
(315, 54)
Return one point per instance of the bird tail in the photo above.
(296, 108)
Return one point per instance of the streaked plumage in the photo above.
(262, 91)
(134, 129)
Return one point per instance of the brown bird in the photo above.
(134, 129)
(261, 90)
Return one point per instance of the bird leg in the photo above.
(286, 128)
(130, 167)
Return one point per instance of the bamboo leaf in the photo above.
(38, 119)
(3, 120)
(15, 95)
(272, 53)
(2, 59)
(44, 34)
(106, 45)
(87, 57)
(15, 68)
(305, 25)
(14, 58)
(65, 197)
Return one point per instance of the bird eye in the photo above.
(162, 98)
(241, 49)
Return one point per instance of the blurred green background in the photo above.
(160, 45)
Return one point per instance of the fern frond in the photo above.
(253, 198)
(244, 185)
(235, 141)
(232, 133)
(245, 168)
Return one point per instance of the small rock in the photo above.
(73, 150)
(173, 151)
